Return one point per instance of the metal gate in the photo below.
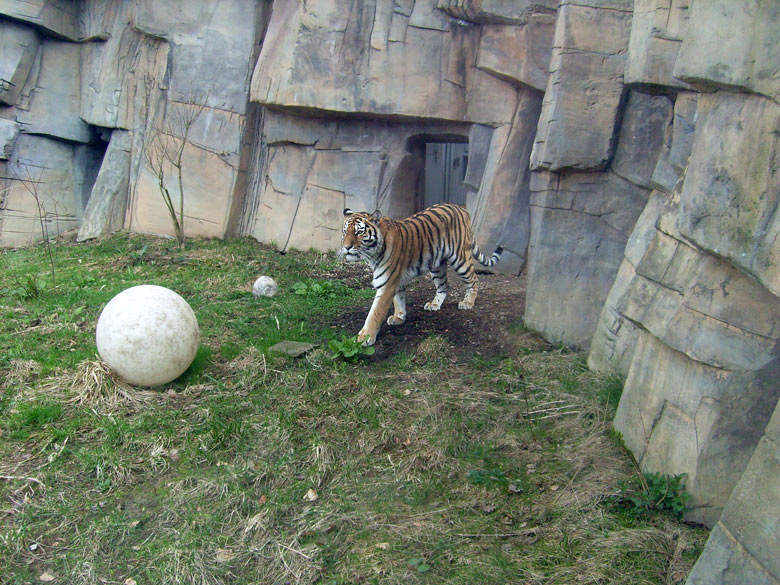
(445, 169)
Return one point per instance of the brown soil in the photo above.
(492, 328)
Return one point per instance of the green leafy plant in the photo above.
(487, 477)
(349, 348)
(650, 492)
(25, 288)
(419, 564)
(317, 288)
(137, 256)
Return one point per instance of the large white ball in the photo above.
(148, 335)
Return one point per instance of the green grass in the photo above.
(255, 468)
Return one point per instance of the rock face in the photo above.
(744, 543)
(692, 318)
(414, 74)
(625, 152)
(581, 222)
(85, 88)
(585, 89)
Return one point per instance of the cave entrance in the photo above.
(445, 170)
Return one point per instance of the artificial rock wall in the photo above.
(624, 152)
(351, 97)
(83, 88)
(334, 113)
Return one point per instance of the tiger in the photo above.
(398, 251)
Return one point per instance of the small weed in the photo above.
(229, 351)
(650, 492)
(137, 256)
(318, 288)
(570, 384)
(349, 348)
(226, 428)
(26, 288)
(419, 564)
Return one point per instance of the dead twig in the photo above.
(305, 556)
(23, 478)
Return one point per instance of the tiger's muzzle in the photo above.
(349, 254)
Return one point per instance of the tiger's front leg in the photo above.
(376, 315)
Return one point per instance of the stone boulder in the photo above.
(105, 210)
(149, 76)
(122, 77)
(585, 91)
(657, 32)
(42, 195)
(743, 545)
(579, 227)
(642, 140)
(51, 99)
(500, 205)
(615, 338)
(680, 416)
(729, 203)
(672, 165)
(580, 223)
(613, 342)
(497, 11)
(54, 18)
(386, 62)
(518, 54)
(9, 130)
(18, 48)
(732, 45)
(693, 330)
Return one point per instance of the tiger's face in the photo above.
(360, 235)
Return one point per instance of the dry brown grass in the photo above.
(95, 384)
(20, 373)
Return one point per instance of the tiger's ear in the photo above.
(347, 212)
(376, 215)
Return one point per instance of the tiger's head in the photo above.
(361, 237)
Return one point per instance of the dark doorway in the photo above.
(445, 170)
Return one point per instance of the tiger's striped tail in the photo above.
(480, 257)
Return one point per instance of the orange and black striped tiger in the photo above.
(397, 251)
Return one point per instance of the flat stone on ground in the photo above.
(292, 348)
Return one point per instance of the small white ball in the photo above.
(148, 334)
(265, 286)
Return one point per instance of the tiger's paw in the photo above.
(365, 339)
(432, 306)
(395, 320)
(466, 305)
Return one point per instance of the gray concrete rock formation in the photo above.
(625, 151)
(78, 74)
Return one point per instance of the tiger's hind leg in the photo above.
(440, 282)
(465, 270)
(399, 309)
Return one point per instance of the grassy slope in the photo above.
(253, 468)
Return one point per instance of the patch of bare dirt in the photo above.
(492, 328)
